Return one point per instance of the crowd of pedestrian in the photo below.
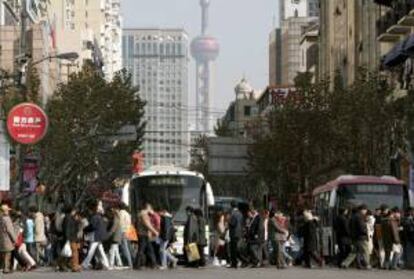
(381, 239)
(263, 238)
(94, 238)
(73, 240)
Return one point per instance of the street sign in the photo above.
(228, 156)
(27, 123)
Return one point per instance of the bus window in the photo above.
(372, 195)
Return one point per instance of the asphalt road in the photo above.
(219, 273)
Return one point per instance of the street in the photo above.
(221, 273)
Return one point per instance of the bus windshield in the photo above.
(372, 195)
(170, 192)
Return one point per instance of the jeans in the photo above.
(40, 253)
(96, 248)
(165, 255)
(145, 250)
(114, 255)
(344, 250)
(255, 251)
(31, 248)
(236, 252)
(126, 250)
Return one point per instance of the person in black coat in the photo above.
(202, 239)
(255, 237)
(191, 233)
(236, 225)
(359, 235)
(98, 229)
(343, 235)
(310, 240)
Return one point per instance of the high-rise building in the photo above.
(348, 37)
(275, 57)
(298, 8)
(292, 30)
(158, 62)
(284, 44)
(92, 28)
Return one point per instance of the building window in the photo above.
(247, 110)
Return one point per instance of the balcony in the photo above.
(397, 21)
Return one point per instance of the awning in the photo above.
(396, 56)
(384, 2)
(409, 46)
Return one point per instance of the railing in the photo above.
(399, 9)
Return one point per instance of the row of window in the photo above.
(161, 49)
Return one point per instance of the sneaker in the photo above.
(216, 262)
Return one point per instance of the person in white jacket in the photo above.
(371, 231)
(39, 234)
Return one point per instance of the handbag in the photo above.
(66, 251)
(131, 234)
(192, 252)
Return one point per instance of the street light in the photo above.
(26, 63)
(70, 56)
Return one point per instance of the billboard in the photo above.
(228, 156)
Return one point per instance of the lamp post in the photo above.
(25, 77)
(26, 63)
(70, 56)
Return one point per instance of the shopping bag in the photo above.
(66, 251)
(131, 234)
(192, 252)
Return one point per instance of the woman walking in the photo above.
(7, 238)
(115, 237)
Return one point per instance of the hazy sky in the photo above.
(241, 26)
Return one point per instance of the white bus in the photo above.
(171, 188)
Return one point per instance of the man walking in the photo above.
(359, 233)
(71, 227)
(236, 225)
(146, 231)
(255, 237)
(277, 236)
(343, 235)
(98, 229)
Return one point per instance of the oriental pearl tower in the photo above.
(205, 49)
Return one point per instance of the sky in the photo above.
(241, 26)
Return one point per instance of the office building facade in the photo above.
(158, 61)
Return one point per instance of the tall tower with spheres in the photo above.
(205, 49)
